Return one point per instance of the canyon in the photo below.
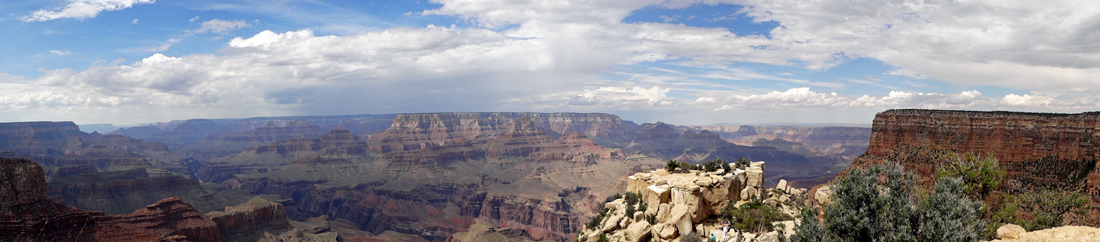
(411, 177)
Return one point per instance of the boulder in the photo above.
(749, 192)
(639, 231)
(782, 186)
(823, 195)
(1010, 231)
(655, 195)
(668, 232)
(664, 212)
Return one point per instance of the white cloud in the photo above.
(135, 21)
(548, 55)
(221, 26)
(82, 9)
(59, 52)
(193, 19)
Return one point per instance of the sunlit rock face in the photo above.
(679, 202)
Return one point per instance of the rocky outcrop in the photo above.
(26, 214)
(679, 202)
(169, 219)
(250, 220)
(1012, 232)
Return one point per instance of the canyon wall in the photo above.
(27, 215)
(1038, 150)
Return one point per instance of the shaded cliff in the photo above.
(39, 138)
(26, 215)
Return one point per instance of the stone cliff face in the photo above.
(1038, 150)
(250, 220)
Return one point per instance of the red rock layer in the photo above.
(168, 219)
(1008, 136)
(1039, 150)
(524, 139)
(250, 219)
(574, 147)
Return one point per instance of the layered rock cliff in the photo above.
(39, 138)
(419, 131)
(26, 215)
(1038, 150)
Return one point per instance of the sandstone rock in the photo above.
(668, 231)
(639, 231)
(749, 193)
(782, 186)
(664, 213)
(1010, 231)
(684, 225)
(823, 195)
(1060, 234)
(626, 221)
(639, 216)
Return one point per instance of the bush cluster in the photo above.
(754, 216)
(879, 203)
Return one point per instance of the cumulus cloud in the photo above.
(82, 9)
(551, 55)
(220, 26)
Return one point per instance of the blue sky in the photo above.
(684, 62)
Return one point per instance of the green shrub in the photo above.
(603, 238)
(714, 165)
(671, 165)
(755, 216)
(878, 204)
(742, 162)
(691, 237)
(949, 215)
(651, 218)
(596, 220)
(981, 175)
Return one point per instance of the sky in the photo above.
(128, 62)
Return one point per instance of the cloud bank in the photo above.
(579, 56)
